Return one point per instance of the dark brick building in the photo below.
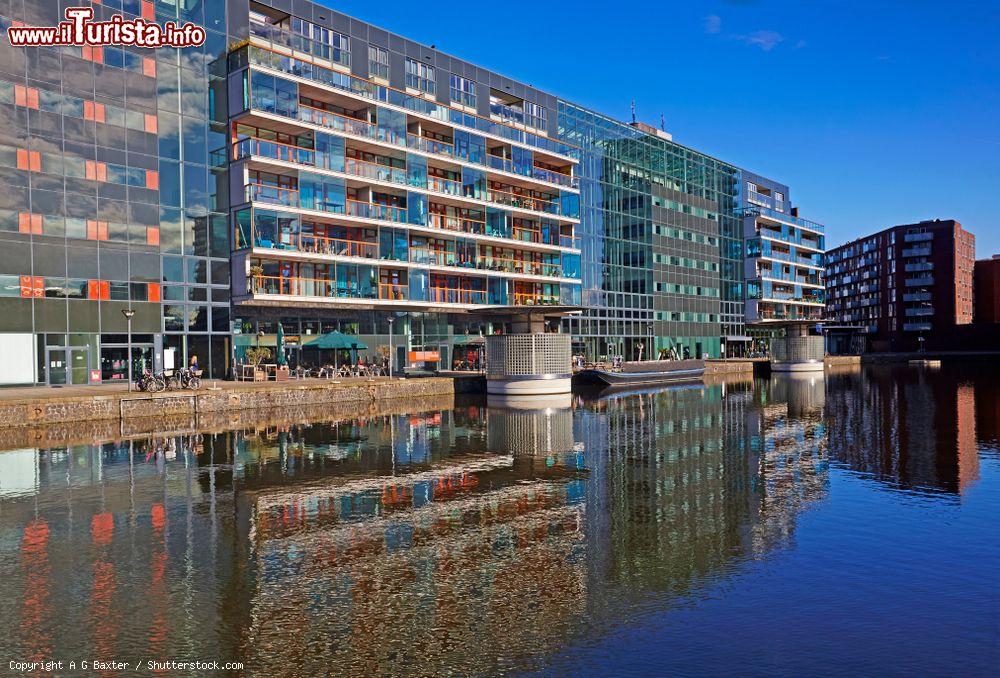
(987, 283)
(903, 283)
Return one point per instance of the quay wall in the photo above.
(165, 407)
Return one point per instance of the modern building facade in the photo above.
(904, 283)
(784, 263)
(309, 171)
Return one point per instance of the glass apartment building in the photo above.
(309, 171)
(784, 255)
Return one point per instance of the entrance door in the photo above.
(57, 366)
(68, 365)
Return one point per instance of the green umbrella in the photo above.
(280, 350)
(336, 341)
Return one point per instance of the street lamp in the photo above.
(129, 314)
(391, 320)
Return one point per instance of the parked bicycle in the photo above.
(150, 383)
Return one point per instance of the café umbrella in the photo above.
(337, 341)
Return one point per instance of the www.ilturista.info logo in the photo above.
(79, 29)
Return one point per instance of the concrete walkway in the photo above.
(121, 389)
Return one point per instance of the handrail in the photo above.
(320, 244)
(392, 291)
(529, 299)
(362, 128)
(305, 287)
(452, 295)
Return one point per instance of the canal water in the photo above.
(780, 526)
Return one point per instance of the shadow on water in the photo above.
(467, 537)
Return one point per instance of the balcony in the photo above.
(780, 217)
(255, 147)
(285, 38)
(920, 281)
(920, 311)
(450, 295)
(917, 252)
(916, 327)
(358, 87)
(289, 197)
(922, 266)
(308, 287)
(918, 237)
(313, 244)
(917, 296)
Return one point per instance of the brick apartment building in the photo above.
(987, 283)
(904, 283)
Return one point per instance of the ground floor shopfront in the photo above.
(58, 359)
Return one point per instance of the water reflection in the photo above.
(469, 539)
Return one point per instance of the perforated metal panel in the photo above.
(513, 355)
(529, 432)
(798, 349)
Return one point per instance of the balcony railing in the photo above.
(529, 299)
(368, 130)
(395, 175)
(316, 244)
(308, 287)
(519, 266)
(917, 237)
(917, 252)
(289, 197)
(300, 43)
(450, 295)
(392, 291)
(756, 210)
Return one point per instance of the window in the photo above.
(535, 115)
(463, 91)
(378, 62)
(420, 76)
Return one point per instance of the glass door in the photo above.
(57, 367)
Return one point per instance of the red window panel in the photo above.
(153, 180)
(93, 289)
(20, 95)
(87, 52)
(153, 293)
(27, 286)
(91, 229)
(152, 236)
(105, 290)
(32, 98)
(24, 222)
(38, 287)
(88, 110)
(148, 13)
(151, 124)
(149, 67)
(23, 159)
(97, 54)
(34, 161)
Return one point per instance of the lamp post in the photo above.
(129, 313)
(391, 320)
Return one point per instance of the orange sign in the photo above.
(424, 356)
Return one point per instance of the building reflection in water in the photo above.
(469, 539)
(910, 428)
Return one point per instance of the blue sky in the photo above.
(874, 113)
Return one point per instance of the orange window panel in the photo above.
(36, 224)
(99, 112)
(24, 222)
(149, 67)
(97, 54)
(91, 230)
(20, 95)
(23, 159)
(152, 236)
(153, 180)
(91, 169)
(151, 124)
(105, 287)
(93, 289)
(27, 286)
(88, 110)
(102, 171)
(153, 293)
(39, 286)
(102, 230)
(148, 12)
(34, 161)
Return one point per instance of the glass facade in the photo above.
(657, 222)
(311, 171)
(111, 199)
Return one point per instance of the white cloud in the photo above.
(713, 23)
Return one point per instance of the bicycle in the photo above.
(150, 383)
